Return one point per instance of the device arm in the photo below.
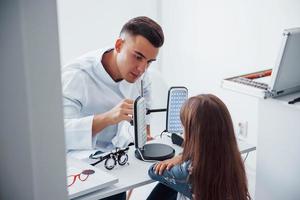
(149, 111)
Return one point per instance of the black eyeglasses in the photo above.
(116, 156)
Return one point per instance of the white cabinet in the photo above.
(278, 149)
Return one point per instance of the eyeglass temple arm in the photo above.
(123, 150)
(95, 163)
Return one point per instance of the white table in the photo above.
(136, 173)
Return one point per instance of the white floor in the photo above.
(143, 192)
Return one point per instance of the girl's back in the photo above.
(217, 171)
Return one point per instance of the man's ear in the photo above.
(119, 44)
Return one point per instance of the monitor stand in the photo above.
(155, 151)
(177, 139)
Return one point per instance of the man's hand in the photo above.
(122, 111)
(149, 137)
(167, 164)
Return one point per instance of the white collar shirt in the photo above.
(89, 90)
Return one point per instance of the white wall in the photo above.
(207, 41)
(86, 25)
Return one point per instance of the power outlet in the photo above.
(243, 129)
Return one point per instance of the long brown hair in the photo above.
(218, 171)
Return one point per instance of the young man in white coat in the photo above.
(99, 87)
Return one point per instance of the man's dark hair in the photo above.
(145, 27)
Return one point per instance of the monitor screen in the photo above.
(139, 122)
(176, 97)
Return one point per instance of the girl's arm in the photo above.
(175, 177)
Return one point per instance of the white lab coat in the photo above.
(88, 90)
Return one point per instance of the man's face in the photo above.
(134, 55)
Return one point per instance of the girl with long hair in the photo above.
(210, 166)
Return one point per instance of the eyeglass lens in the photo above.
(123, 158)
